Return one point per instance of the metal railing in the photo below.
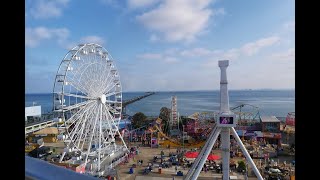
(38, 169)
(38, 126)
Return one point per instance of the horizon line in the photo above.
(248, 89)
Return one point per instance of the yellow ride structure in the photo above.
(165, 141)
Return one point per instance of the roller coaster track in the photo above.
(175, 142)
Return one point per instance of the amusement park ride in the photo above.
(174, 118)
(88, 104)
(88, 101)
(177, 135)
(225, 123)
(155, 131)
(248, 115)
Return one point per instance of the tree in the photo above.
(241, 166)
(183, 120)
(165, 116)
(165, 127)
(138, 120)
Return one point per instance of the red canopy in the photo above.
(213, 157)
(191, 154)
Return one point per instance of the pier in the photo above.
(30, 128)
(127, 102)
(35, 126)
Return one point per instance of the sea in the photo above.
(265, 102)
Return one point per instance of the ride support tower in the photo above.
(225, 123)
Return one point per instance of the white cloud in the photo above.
(43, 9)
(171, 51)
(134, 4)
(154, 38)
(151, 56)
(92, 39)
(219, 11)
(178, 20)
(247, 49)
(196, 52)
(170, 60)
(86, 39)
(35, 35)
(172, 77)
(208, 58)
(209, 64)
(290, 25)
(215, 54)
(165, 57)
(288, 55)
(253, 47)
(229, 54)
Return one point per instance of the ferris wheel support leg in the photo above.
(246, 154)
(100, 132)
(90, 142)
(124, 144)
(62, 156)
(225, 143)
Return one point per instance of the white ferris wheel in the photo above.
(88, 102)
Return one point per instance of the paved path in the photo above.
(167, 173)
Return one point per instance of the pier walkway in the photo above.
(127, 102)
(29, 128)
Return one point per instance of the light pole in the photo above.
(183, 136)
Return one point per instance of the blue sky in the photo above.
(167, 45)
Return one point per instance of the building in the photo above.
(291, 119)
(271, 129)
(248, 129)
(49, 135)
(76, 166)
(32, 114)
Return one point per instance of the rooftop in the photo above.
(269, 119)
(48, 130)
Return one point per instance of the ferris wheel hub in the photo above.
(103, 99)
